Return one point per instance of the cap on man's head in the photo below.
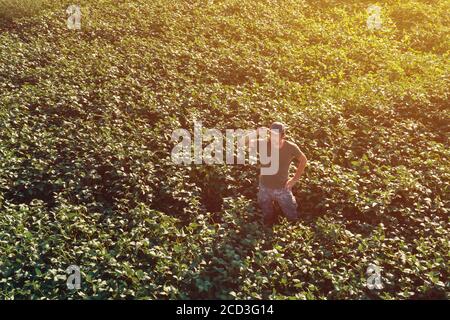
(278, 126)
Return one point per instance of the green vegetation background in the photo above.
(85, 171)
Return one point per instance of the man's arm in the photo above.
(300, 168)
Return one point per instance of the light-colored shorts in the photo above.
(284, 198)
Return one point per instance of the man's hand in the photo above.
(290, 183)
(300, 168)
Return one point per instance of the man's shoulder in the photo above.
(293, 148)
(292, 144)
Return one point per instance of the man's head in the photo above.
(278, 132)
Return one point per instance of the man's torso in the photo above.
(287, 153)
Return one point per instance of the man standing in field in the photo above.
(278, 187)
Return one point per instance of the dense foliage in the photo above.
(85, 136)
